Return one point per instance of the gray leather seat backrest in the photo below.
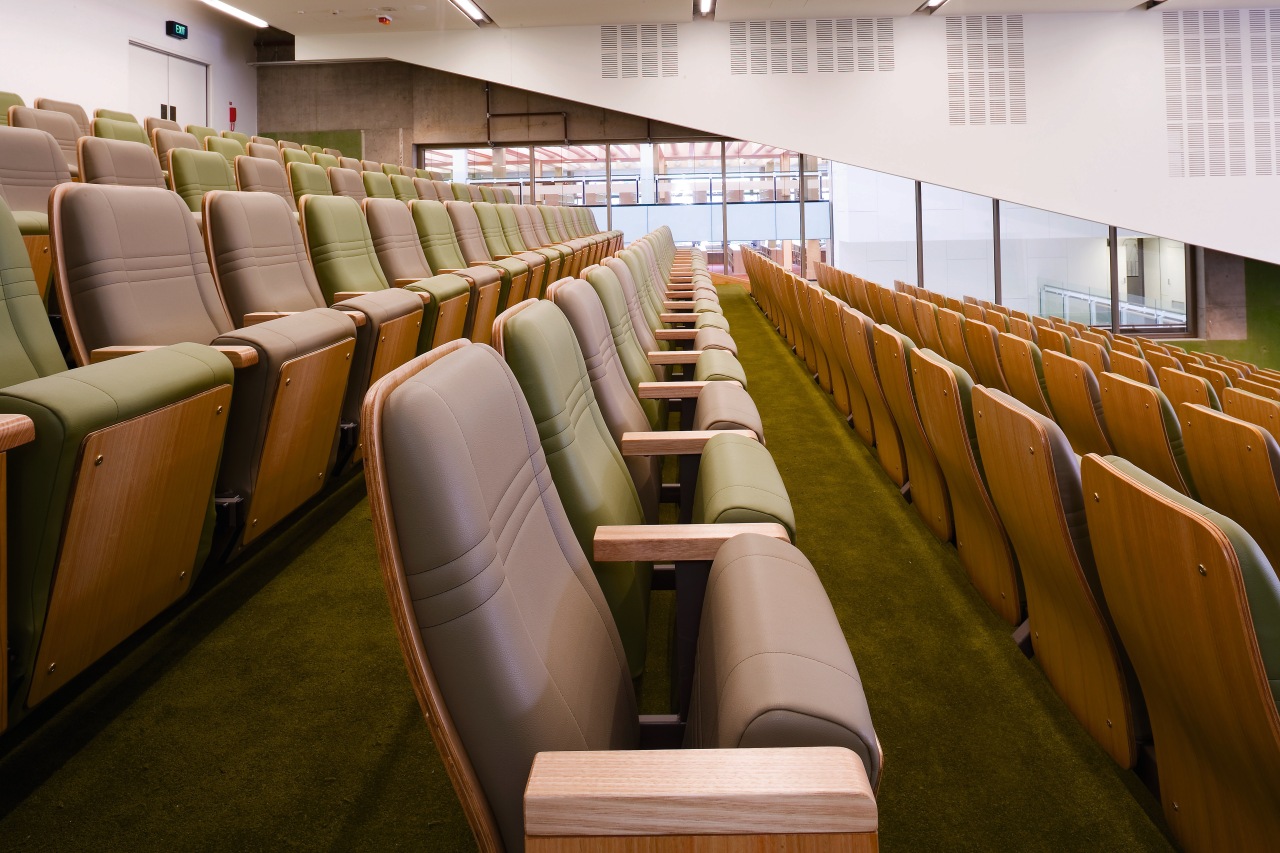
(265, 152)
(261, 175)
(395, 239)
(444, 190)
(104, 236)
(114, 161)
(632, 354)
(347, 183)
(511, 619)
(466, 227)
(256, 249)
(640, 321)
(528, 232)
(426, 189)
(617, 399)
(165, 141)
(59, 125)
(539, 225)
(77, 114)
(31, 165)
(151, 123)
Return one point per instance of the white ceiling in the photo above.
(315, 17)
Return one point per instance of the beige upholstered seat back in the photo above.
(426, 189)
(79, 118)
(265, 152)
(345, 182)
(165, 141)
(57, 124)
(395, 239)
(260, 175)
(466, 225)
(121, 285)
(510, 645)
(31, 164)
(257, 254)
(114, 161)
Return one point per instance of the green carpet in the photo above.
(275, 713)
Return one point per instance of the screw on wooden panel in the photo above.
(382, 340)
(288, 381)
(219, 411)
(181, 575)
(1203, 571)
(348, 356)
(1031, 450)
(1108, 724)
(98, 461)
(1175, 806)
(1096, 499)
(254, 523)
(52, 668)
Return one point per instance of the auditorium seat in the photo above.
(1040, 500)
(928, 487)
(326, 161)
(260, 264)
(1132, 366)
(112, 161)
(463, 406)
(288, 145)
(1159, 359)
(243, 138)
(403, 188)
(76, 112)
(495, 240)
(1024, 329)
(981, 342)
(312, 150)
(426, 189)
(194, 173)
(126, 131)
(58, 124)
(926, 324)
(151, 124)
(440, 246)
(508, 216)
(296, 155)
(307, 179)
(736, 481)
(859, 409)
(517, 274)
(1144, 429)
(9, 99)
(116, 300)
(856, 333)
(130, 446)
(262, 175)
(201, 133)
(1077, 403)
(1024, 372)
(1181, 387)
(1050, 339)
(333, 152)
(944, 398)
(166, 141)
(351, 163)
(951, 333)
(1196, 605)
(228, 148)
(378, 185)
(1218, 379)
(31, 165)
(345, 183)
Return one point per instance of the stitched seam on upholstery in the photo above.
(851, 676)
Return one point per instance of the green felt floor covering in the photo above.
(275, 712)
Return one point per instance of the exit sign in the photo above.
(175, 30)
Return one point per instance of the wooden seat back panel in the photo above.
(1137, 428)
(860, 346)
(1072, 387)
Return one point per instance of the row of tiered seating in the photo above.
(516, 494)
(219, 379)
(1145, 570)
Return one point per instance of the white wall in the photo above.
(1094, 146)
(78, 50)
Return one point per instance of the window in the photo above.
(571, 174)
(875, 224)
(959, 243)
(1054, 265)
(1153, 280)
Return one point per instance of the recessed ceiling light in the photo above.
(706, 6)
(931, 6)
(471, 10)
(235, 13)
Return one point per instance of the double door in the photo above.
(167, 86)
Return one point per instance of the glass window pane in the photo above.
(762, 187)
(1153, 280)
(571, 174)
(875, 224)
(439, 161)
(632, 171)
(959, 243)
(1054, 265)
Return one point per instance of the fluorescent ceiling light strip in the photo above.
(235, 13)
(705, 6)
(470, 9)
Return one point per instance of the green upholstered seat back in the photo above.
(511, 228)
(28, 349)
(194, 173)
(165, 141)
(324, 161)
(229, 148)
(590, 475)
(650, 302)
(460, 191)
(491, 228)
(552, 224)
(487, 194)
(307, 179)
(116, 115)
(312, 150)
(443, 288)
(340, 246)
(435, 233)
(243, 138)
(378, 185)
(201, 132)
(635, 361)
(110, 128)
(9, 99)
(346, 182)
(402, 186)
(260, 175)
(295, 155)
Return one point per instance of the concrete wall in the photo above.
(398, 105)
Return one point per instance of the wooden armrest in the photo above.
(345, 295)
(697, 792)
(502, 257)
(15, 430)
(675, 334)
(681, 286)
(673, 443)
(674, 357)
(405, 282)
(670, 390)
(668, 543)
(676, 305)
(677, 318)
(256, 317)
(239, 356)
(356, 316)
(108, 353)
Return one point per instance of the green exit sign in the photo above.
(175, 30)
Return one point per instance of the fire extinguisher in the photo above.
(231, 110)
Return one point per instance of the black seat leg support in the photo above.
(691, 589)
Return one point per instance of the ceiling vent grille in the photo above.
(1204, 94)
(986, 70)
(1264, 78)
(828, 45)
(639, 50)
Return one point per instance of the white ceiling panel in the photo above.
(774, 10)
(1029, 7)
(316, 17)
(1220, 4)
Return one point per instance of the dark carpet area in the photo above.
(275, 713)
